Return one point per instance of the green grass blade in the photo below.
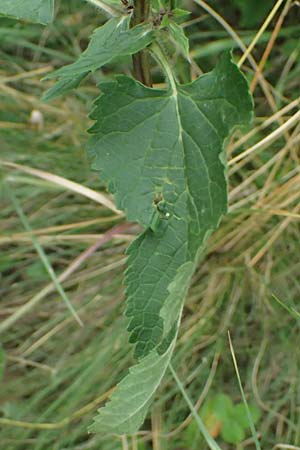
(293, 312)
(209, 439)
(42, 254)
(251, 423)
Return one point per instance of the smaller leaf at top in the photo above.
(178, 13)
(110, 41)
(41, 11)
(179, 38)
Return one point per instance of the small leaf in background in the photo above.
(232, 432)
(241, 416)
(222, 406)
(110, 41)
(179, 38)
(41, 11)
(223, 418)
(37, 271)
(215, 411)
(2, 362)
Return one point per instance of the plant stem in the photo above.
(141, 67)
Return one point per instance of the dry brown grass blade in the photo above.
(270, 45)
(261, 31)
(7, 323)
(64, 183)
(268, 139)
(62, 423)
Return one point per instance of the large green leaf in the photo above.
(162, 155)
(110, 41)
(34, 10)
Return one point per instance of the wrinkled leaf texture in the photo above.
(162, 153)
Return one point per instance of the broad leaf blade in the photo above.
(162, 155)
(152, 143)
(110, 41)
(40, 11)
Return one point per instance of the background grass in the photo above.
(57, 373)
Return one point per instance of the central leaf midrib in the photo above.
(181, 145)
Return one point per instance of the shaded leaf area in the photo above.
(110, 41)
(162, 154)
(41, 11)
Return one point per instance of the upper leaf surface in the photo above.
(110, 41)
(40, 11)
(162, 154)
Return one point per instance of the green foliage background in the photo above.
(54, 368)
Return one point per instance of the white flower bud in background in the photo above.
(36, 119)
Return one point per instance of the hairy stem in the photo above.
(141, 66)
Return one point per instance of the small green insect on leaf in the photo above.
(172, 142)
(110, 41)
(41, 11)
